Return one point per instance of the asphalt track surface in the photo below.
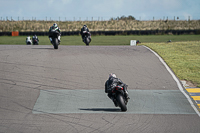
(46, 90)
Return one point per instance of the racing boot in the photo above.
(126, 92)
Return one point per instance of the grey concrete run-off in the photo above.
(96, 101)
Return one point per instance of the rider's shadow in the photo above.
(101, 109)
(44, 48)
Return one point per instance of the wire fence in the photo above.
(96, 18)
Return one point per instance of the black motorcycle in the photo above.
(87, 37)
(54, 34)
(35, 41)
(119, 98)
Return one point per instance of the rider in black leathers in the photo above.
(111, 83)
(85, 28)
(56, 28)
(35, 37)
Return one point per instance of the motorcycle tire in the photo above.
(28, 43)
(35, 43)
(121, 102)
(55, 43)
(87, 41)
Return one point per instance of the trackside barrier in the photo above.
(128, 32)
(133, 42)
(5, 34)
(15, 33)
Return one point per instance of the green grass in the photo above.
(103, 40)
(182, 57)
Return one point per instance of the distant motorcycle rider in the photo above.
(35, 37)
(111, 83)
(56, 28)
(85, 30)
(28, 40)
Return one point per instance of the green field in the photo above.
(103, 40)
(182, 55)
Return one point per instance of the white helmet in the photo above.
(112, 75)
(55, 25)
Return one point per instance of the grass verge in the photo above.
(103, 40)
(182, 57)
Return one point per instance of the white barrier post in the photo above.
(133, 42)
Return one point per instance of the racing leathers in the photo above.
(111, 83)
(35, 37)
(56, 29)
(84, 31)
(28, 40)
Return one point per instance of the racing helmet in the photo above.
(55, 25)
(84, 25)
(112, 75)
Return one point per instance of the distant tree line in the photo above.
(124, 18)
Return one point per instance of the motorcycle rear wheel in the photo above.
(121, 102)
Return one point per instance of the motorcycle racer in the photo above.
(35, 37)
(28, 40)
(111, 83)
(85, 29)
(56, 28)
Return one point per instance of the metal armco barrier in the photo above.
(132, 32)
(5, 33)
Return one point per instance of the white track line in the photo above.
(177, 81)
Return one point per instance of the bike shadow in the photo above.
(44, 48)
(101, 109)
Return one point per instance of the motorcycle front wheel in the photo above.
(55, 43)
(121, 102)
(86, 41)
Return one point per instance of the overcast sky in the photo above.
(99, 9)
